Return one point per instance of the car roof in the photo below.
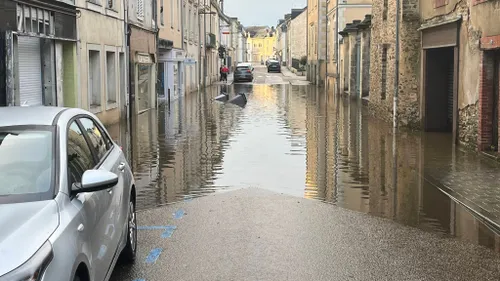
(28, 115)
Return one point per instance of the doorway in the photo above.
(439, 89)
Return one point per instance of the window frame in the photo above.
(53, 189)
(84, 134)
(98, 107)
(104, 133)
(97, 162)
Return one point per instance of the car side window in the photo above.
(80, 157)
(99, 140)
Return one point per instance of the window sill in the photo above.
(111, 105)
(94, 7)
(112, 13)
(95, 108)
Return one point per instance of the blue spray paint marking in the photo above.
(159, 227)
(169, 231)
(179, 214)
(153, 255)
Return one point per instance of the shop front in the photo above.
(171, 63)
(142, 70)
(39, 54)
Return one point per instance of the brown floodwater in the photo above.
(299, 141)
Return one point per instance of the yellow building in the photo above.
(261, 43)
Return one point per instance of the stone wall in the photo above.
(468, 125)
(383, 36)
(297, 33)
(365, 62)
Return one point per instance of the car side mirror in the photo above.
(95, 180)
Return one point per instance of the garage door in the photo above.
(30, 70)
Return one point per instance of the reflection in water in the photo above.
(297, 141)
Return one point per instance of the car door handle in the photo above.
(121, 167)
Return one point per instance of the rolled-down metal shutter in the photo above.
(30, 70)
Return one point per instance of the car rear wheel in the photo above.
(129, 252)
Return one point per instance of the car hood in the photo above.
(24, 227)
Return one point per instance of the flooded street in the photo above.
(234, 172)
(298, 141)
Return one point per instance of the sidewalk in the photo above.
(230, 80)
(293, 78)
(469, 178)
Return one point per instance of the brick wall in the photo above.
(485, 100)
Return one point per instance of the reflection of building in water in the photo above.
(311, 148)
(182, 152)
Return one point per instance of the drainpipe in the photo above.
(396, 80)
(199, 46)
(318, 48)
(337, 59)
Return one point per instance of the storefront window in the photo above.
(144, 89)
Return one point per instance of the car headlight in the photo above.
(33, 269)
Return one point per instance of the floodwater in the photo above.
(298, 141)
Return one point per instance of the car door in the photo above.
(110, 159)
(95, 205)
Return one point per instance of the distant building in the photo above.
(297, 31)
(262, 40)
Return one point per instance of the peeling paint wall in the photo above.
(477, 21)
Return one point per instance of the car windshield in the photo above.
(242, 68)
(26, 163)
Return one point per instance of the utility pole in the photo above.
(199, 45)
(205, 44)
(337, 59)
(396, 79)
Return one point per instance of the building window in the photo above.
(94, 78)
(384, 73)
(111, 77)
(110, 4)
(386, 7)
(122, 77)
(161, 13)
(140, 9)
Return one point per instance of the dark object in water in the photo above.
(239, 100)
(222, 97)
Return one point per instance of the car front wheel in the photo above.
(130, 250)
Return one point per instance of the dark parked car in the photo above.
(243, 73)
(274, 66)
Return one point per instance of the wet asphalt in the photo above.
(245, 218)
(254, 234)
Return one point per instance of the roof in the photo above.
(28, 115)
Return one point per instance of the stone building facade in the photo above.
(468, 32)
(355, 58)
(382, 61)
(316, 41)
(297, 46)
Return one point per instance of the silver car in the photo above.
(67, 197)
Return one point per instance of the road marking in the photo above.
(178, 214)
(153, 255)
(169, 231)
(159, 227)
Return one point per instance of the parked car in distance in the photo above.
(67, 197)
(242, 74)
(274, 66)
(246, 64)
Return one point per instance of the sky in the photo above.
(261, 12)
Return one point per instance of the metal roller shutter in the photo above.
(30, 71)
